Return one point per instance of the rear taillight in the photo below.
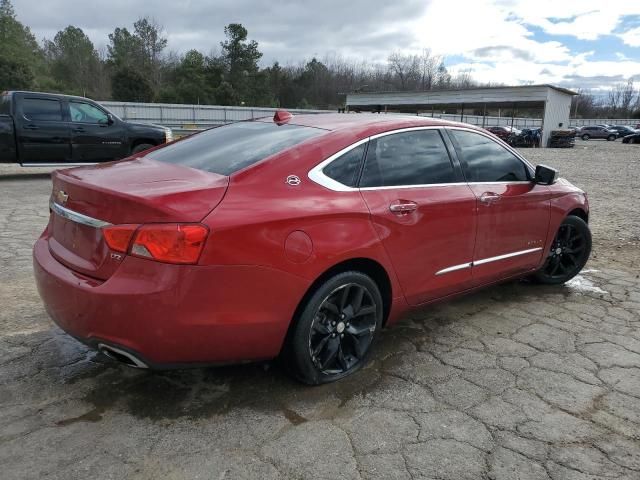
(118, 237)
(164, 242)
(171, 243)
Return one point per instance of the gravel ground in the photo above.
(515, 382)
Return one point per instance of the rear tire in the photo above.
(586, 136)
(335, 330)
(568, 253)
(141, 148)
(611, 138)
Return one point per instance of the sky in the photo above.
(587, 44)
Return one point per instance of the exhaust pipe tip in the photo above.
(121, 356)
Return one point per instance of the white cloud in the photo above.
(631, 37)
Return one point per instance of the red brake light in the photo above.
(118, 237)
(171, 243)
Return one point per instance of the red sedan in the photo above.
(297, 236)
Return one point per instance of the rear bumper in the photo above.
(170, 315)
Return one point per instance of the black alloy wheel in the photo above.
(569, 252)
(338, 325)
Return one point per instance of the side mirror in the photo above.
(110, 119)
(545, 175)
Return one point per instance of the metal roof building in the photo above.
(554, 103)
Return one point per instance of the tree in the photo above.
(15, 75)
(127, 85)
(151, 44)
(400, 66)
(19, 51)
(240, 58)
(74, 61)
(140, 51)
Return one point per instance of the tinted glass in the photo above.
(484, 160)
(410, 158)
(227, 149)
(5, 102)
(86, 113)
(345, 169)
(41, 109)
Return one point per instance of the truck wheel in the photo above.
(141, 148)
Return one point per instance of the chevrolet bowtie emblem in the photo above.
(62, 197)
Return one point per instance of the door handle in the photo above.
(77, 130)
(489, 197)
(403, 207)
(30, 127)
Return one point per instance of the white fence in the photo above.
(196, 117)
(190, 117)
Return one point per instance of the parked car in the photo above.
(623, 130)
(298, 237)
(503, 132)
(595, 131)
(633, 138)
(44, 128)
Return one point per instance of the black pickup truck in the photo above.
(50, 129)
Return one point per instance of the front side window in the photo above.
(484, 160)
(227, 149)
(86, 113)
(408, 158)
(42, 109)
(346, 168)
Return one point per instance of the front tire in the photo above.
(586, 136)
(568, 254)
(141, 148)
(611, 138)
(337, 326)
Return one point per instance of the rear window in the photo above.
(42, 109)
(227, 149)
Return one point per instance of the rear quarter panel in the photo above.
(261, 210)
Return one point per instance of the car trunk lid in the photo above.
(127, 192)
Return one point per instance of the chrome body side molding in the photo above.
(462, 266)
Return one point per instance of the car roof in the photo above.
(369, 122)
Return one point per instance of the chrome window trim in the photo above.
(483, 261)
(76, 217)
(317, 175)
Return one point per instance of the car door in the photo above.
(512, 211)
(95, 137)
(422, 210)
(42, 133)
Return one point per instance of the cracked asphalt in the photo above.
(518, 381)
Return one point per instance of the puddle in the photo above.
(584, 285)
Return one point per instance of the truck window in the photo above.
(86, 113)
(42, 109)
(5, 104)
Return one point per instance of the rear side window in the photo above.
(484, 160)
(346, 168)
(408, 158)
(42, 109)
(227, 149)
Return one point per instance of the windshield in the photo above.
(227, 149)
